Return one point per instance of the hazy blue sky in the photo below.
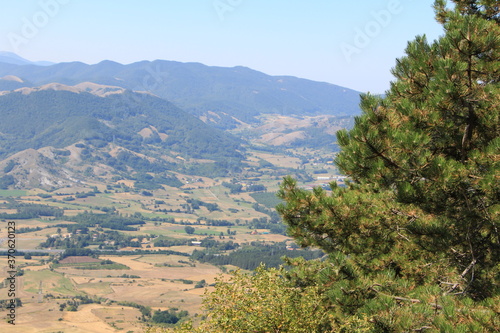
(349, 43)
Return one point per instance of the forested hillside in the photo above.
(62, 118)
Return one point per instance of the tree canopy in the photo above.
(413, 240)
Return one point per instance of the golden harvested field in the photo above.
(183, 248)
(95, 288)
(280, 160)
(247, 237)
(90, 318)
(123, 318)
(148, 270)
(160, 258)
(36, 267)
(29, 242)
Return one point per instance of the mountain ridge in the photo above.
(84, 87)
(238, 92)
(12, 58)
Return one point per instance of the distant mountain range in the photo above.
(222, 96)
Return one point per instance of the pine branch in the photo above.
(410, 217)
(404, 299)
(471, 265)
(462, 276)
(452, 288)
(380, 154)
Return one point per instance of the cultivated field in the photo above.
(126, 282)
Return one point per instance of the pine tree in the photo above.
(418, 227)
